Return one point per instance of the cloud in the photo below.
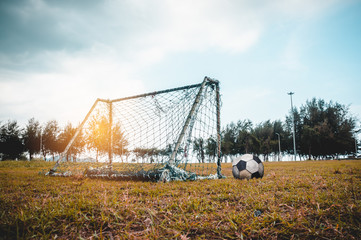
(139, 30)
(153, 27)
(190, 25)
(66, 95)
(56, 57)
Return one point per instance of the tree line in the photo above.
(50, 139)
(322, 130)
(15, 142)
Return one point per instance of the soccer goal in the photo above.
(165, 135)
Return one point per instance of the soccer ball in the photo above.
(247, 166)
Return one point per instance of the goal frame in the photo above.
(171, 161)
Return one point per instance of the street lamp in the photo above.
(41, 142)
(279, 146)
(293, 120)
(356, 150)
(356, 146)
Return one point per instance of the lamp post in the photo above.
(41, 143)
(294, 133)
(356, 145)
(279, 146)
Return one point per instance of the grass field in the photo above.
(294, 200)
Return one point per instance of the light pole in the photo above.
(293, 120)
(356, 146)
(41, 142)
(279, 146)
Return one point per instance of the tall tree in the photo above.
(324, 129)
(289, 131)
(64, 138)
(120, 143)
(246, 141)
(31, 137)
(264, 132)
(211, 149)
(239, 139)
(279, 128)
(11, 144)
(98, 137)
(198, 146)
(229, 136)
(50, 139)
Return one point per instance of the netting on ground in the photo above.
(166, 135)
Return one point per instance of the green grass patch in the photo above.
(299, 200)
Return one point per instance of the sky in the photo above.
(58, 57)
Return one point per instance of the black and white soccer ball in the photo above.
(247, 166)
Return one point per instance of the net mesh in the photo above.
(166, 135)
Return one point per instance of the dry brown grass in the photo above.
(294, 200)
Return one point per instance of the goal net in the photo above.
(166, 135)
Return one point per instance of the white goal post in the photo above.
(163, 135)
